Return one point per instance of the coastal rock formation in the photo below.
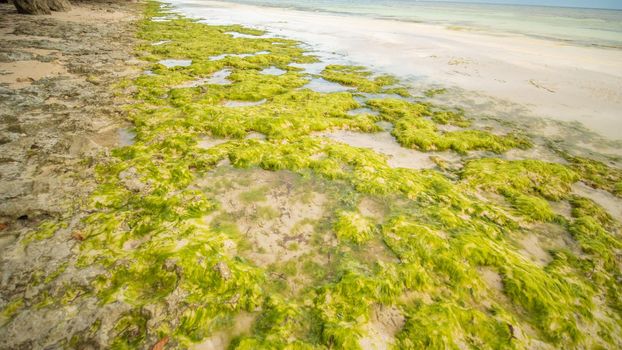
(41, 7)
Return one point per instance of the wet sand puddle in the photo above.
(126, 137)
(368, 111)
(273, 71)
(175, 63)
(325, 86)
(218, 78)
(611, 203)
(310, 68)
(384, 143)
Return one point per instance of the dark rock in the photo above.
(41, 7)
(59, 5)
(32, 7)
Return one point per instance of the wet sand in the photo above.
(551, 79)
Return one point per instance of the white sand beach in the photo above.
(549, 78)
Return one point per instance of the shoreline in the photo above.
(464, 24)
(245, 195)
(551, 80)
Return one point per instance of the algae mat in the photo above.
(230, 221)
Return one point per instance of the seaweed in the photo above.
(353, 227)
(359, 77)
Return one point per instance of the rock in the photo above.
(129, 177)
(223, 270)
(41, 7)
(32, 7)
(59, 5)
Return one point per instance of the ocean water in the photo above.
(595, 27)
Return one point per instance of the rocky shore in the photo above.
(58, 109)
(57, 104)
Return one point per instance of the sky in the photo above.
(609, 4)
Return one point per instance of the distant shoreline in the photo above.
(467, 17)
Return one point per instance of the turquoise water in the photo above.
(579, 26)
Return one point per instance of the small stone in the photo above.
(160, 344)
(234, 299)
(77, 235)
(223, 270)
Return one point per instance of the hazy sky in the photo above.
(611, 4)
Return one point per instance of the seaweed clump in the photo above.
(358, 77)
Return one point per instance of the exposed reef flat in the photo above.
(241, 210)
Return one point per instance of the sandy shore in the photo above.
(551, 79)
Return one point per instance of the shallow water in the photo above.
(175, 63)
(584, 26)
(218, 78)
(209, 142)
(539, 152)
(161, 19)
(362, 111)
(273, 71)
(311, 68)
(325, 86)
(255, 136)
(126, 137)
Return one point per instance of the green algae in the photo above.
(45, 230)
(417, 126)
(353, 227)
(434, 92)
(424, 135)
(164, 244)
(549, 180)
(597, 174)
(533, 208)
(10, 310)
(360, 78)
